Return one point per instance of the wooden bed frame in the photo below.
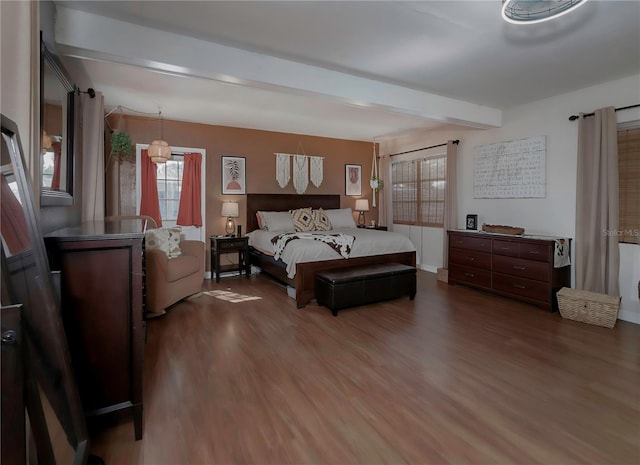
(304, 281)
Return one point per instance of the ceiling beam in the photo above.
(89, 36)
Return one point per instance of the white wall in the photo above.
(555, 214)
(18, 72)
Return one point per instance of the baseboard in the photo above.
(631, 317)
(429, 268)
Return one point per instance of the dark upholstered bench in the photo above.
(349, 287)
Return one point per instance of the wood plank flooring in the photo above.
(456, 376)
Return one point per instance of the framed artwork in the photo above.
(353, 179)
(234, 175)
(472, 222)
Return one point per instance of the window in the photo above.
(47, 169)
(418, 191)
(169, 177)
(629, 184)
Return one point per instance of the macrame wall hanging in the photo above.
(283, 169)
(300, 173)
(317, 173)
(303, 170)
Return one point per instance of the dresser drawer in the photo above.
(463, 274)
(470, 258)
(521, 267)
(480, 244)
(505, 248)
(521, 287)
(539, 252)
(231, 244)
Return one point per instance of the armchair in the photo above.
(172, 279)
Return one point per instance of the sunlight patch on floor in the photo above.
(233, 297)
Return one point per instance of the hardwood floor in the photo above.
(455, 376)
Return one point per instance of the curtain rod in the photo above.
(575, 117)
(423, 148)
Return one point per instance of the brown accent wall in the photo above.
(258, 147)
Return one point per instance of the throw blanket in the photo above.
(339, 242)
(561, 255)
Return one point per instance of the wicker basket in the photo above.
(501, 229)
(588, 307)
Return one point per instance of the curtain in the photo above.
(189, 210)
(450, 199)
(384, 197)
(55, 179)
(93, 185)
(149, 203)
(597, 256)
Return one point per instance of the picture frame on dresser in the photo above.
(472, 222)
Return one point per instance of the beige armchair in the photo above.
(172, 279)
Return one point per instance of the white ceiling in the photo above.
(355, 70)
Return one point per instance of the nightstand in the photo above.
(228, 244)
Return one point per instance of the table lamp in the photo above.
(230, 210)
(362, 205)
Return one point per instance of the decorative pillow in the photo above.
(321, 220)
(165, 239)
(303, 219)
(277, 221)
(260, 220)
(341, 218)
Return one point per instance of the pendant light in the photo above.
(159, 150)
(374, 181)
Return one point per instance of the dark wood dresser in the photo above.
(521, 267)
(102, 298)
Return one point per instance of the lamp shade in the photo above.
(230, 209)
(362, 205)
(159, 151)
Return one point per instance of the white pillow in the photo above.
(277, 221)
(341, 218)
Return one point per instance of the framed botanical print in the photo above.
(353, 180)
(234, 175)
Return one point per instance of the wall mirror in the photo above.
(52, 400)
(57, 122)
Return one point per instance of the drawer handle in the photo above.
(504, 248)
(534, 252)
(516, 267)
(471, 258)
(459, 242)
(470, 275)
(519, 286)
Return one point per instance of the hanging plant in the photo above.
(376, 183)
(121, 146)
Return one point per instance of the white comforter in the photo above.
(367, 242)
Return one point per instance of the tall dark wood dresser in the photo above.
(102, 299)
(521, 267)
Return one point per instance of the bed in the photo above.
(304, 279)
